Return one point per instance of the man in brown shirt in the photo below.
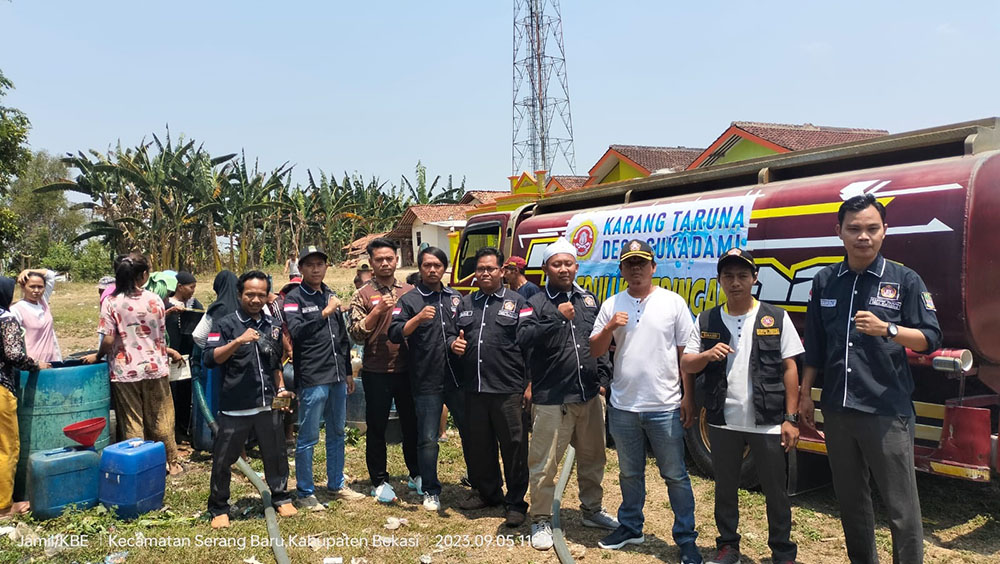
(383, 369)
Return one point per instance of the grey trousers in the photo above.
(860, 445)
(769, 458)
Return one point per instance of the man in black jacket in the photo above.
(323, 376)
(863, 314)
(246, 345)
(484, 335)
(566, 390)
(420, 318)
(745, 351)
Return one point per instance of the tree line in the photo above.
(183, 207)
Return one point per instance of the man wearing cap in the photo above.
(323, 377)
(363, 274)
(650, 326)
(420, 319)
(565, 390)
(863, 314)
(513, 274)
(383, 369)
(745, 351)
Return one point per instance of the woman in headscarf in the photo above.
(135, 340)
(34, 315)
(183, 315)
(227, 299)
(13, 359)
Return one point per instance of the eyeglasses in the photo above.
(486, 269)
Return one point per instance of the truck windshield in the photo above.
(476, 237)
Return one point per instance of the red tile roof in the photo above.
(806, 136)
(658, 158)
(358, 245)
(482, 196)
(569, 182)
(437, 212)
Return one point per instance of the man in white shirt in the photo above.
(650, 326)
(745, 351)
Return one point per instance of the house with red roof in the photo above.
(430, 224)
(623, 162)
(563, 183)
(748, 140)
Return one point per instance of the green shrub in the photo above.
(93, 263)
(60, 258)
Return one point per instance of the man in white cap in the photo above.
(566, 388)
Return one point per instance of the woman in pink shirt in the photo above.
(135, 342)
(34, 315)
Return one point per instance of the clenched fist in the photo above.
(567, 310)
(385, 304)
(426, 314)
(248, 336)
(619, 320)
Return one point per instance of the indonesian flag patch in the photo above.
(291, 307)
(397, 310)
(525, 312)
(213, 337)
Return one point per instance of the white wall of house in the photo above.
(433, 235)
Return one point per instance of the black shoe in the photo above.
(621, 537)
(473, 502)
(514, 518)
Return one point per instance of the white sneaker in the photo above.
(541, 535)
(432, 502)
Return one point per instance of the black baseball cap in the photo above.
(311, 250)
(636, 248)
(737, 256)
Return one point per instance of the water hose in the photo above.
(558, 539)
(270, 516)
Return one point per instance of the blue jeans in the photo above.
(328, 401)
(666, 435)
(428, 408)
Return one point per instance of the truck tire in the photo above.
(700, 447)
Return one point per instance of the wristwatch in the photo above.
(891, 331)
(792, 418)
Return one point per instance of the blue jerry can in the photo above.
(62, 477)
(133, 477)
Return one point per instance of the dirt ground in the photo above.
(961, 519)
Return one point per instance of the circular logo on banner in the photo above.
(767, 321)
(583, 238)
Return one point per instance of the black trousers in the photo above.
(229, 441)
(380, 391)
(769, 457)
(863, 445)
(180, 390)
(497, 420)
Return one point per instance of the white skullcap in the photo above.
(560, 246)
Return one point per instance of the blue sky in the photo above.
(374, 86)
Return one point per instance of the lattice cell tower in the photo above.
(543, 127)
